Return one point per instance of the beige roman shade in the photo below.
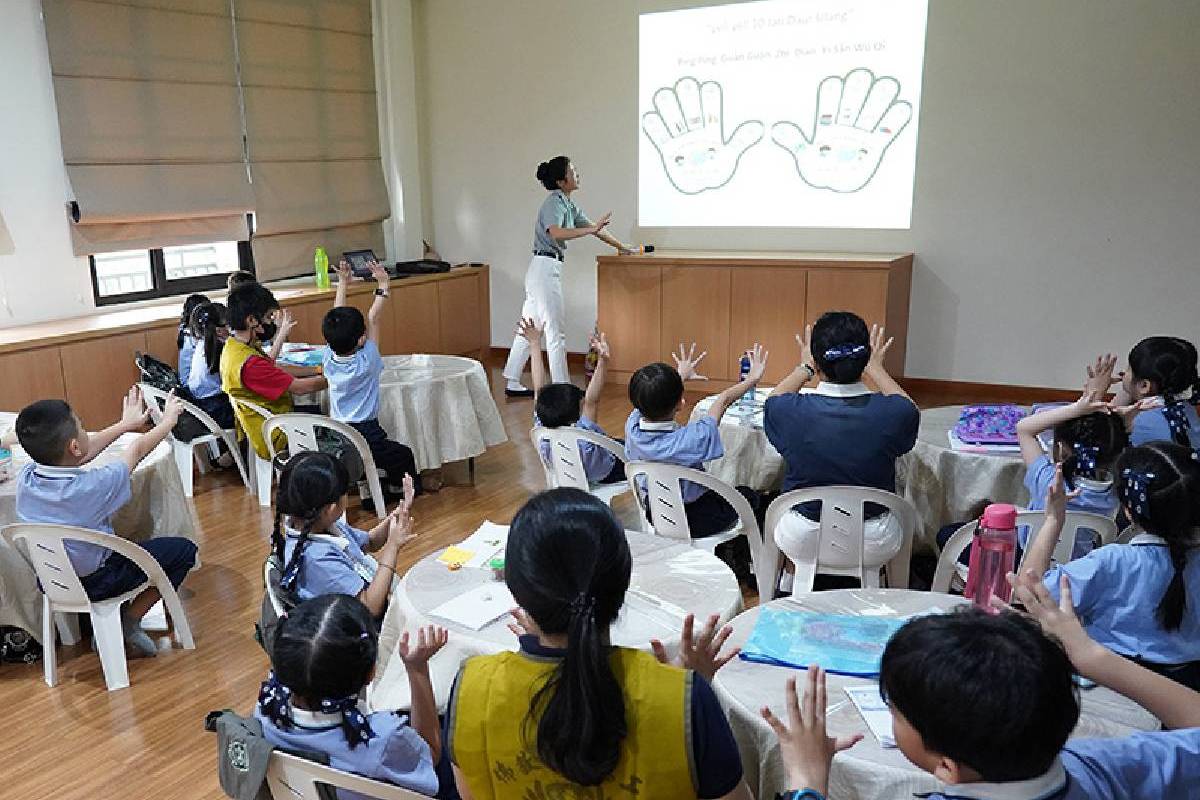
(308, 80)
(150, 119)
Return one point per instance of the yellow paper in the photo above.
(456, 555)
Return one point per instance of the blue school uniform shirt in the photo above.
(1038, 477)
(186, 352)
(396, 753)
(597, 462)
(201, 381)
(1116, 589)
(1151, 426)
(1163, 764)
(354, 383)
(333, 563)
(670, 443)
(83, 497)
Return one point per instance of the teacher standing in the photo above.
(558, 221)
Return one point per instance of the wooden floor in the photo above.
(79, 741)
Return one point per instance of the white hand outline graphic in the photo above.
(687, 128)
(857, 119)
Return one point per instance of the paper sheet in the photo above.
(874, 712)
(477, 608)
(487, 542)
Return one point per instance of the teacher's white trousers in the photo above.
(543, 304)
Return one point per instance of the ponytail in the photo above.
(1170, 365)
(206, 319)
(1169, 612)
(185, 319)
(567, 564)
(1095, 442)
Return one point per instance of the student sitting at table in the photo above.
(1139, 599)
(985, 703)
(322, 658)
(558, 405)
(185, 341)
(248, 373)
(239, 278)
(841, 433)
(58, 489)
(568, 714)
(353, 367)
(321, 553)
(210, 327)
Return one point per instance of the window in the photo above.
(143, 274)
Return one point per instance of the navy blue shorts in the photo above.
(118, 575)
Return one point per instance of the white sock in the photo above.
(515, 386)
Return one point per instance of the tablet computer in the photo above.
(358, 261)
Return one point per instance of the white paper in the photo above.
(477, 608)
(961, 446)
(873, 711)
(487, 542)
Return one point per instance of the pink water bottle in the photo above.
(993, 556)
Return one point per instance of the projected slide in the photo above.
(785, 113)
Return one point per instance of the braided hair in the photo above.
(309, 483)
(1093, 443)
(207, 319)
(323, 653)
(1168, 363)
(1159, 484)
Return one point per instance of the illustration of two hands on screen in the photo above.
(857, 118)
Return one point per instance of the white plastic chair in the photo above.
(263, 471)
(301, 432)
(949, 568)
(668, 518)
(566, 464)
(840, 537)
(186, 452)
(272, 573)
(62, 592)
(290, 777)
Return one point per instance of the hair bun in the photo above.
(542, 170)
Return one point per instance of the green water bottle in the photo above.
(321, 267)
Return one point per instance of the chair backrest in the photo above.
(301, 432)
(842, 529)
(566, 462)
(658, 487)
(157, 397)
(947, 566)
(1075, 521)
(290, 777)
(272, 573)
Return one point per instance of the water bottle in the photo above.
(993, 556)
(321, 267)
(746, 401)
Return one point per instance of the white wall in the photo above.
(1057, 200)
(40, 277)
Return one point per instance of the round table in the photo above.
(750, 459)
(440, 406)
(866, 771)
(670, 579)
(158, 508)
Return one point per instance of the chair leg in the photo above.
(68, 628)
(870, 577)
(263, 473)
(183, 462)
(110, 642)
(49, 648)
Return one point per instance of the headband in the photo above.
(1086, 456)
(275, 701)
(843, 351)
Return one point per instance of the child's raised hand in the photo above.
(1057, 619)
(410, 493)
(880, 344)
(1057, 496)
(172, 409)
(1129, 413)
(429, 639)
(379, 273)
(806, 749)
(530, 330)
(701, 654)
(804, 340)
(400, 526)
(686, 362)
(343, 271)
(1100, 377)
(599, 343)
(521, 625)
(134, 413)
(758, 363)
(284, 324)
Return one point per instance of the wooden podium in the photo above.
(727, 301)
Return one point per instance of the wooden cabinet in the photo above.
(727, 301)
(30, 375)
(97, 373)
(418, 320)
(161, 343)
(458, 308)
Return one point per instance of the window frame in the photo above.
(162, 287)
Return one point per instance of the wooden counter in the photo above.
(726, 301)
(89, 360)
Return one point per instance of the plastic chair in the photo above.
(272, 573)
(949, 568)
(290, 777)
(840, 536)
(62, 592)
(263, 471)
(186, 452)
(301, 432)
(667, 517)
(566, 464)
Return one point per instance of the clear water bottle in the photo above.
(746, 401)
(993, 556)
(321, 267)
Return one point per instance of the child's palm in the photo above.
(429, 639)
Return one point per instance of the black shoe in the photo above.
(518, 392)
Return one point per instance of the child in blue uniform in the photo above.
(353, 366)
(209, 328)
(322, 658)
(561, 404)
(185, 342)
(1163, 367)
(1140, 599)
(59, 489)
(321, 553)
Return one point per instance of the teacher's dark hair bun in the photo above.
(549, 173)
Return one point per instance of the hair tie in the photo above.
(844, 351)
(1134, 489)
(583, 603)
(357, 728)
(275, 700)
(1176, 415)
(1086, 456)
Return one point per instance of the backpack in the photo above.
(162, 377)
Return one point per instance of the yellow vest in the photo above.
(488, 719)
(234, 356)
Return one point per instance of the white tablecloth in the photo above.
(669, 580)
(750, 459)
(867, 771)
(158, 508)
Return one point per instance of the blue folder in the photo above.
(838, 643)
